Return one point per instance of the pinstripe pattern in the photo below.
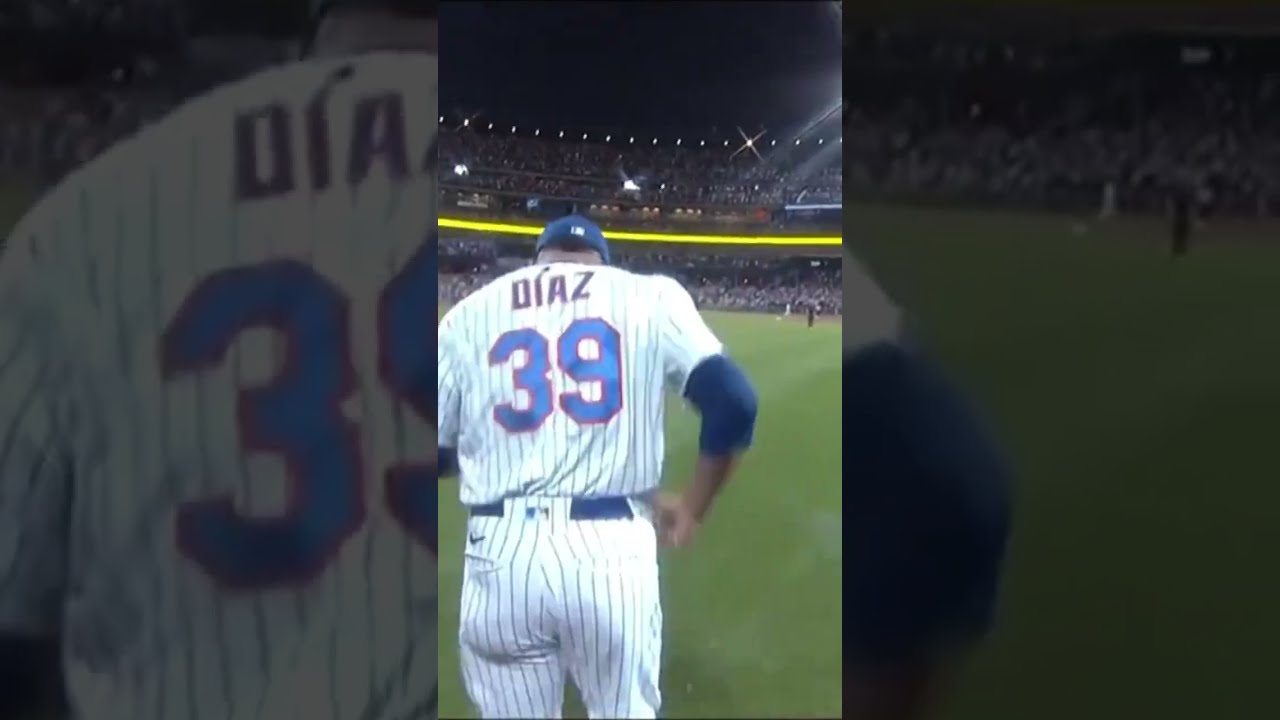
(545, 597)
(663, 339)
(32, 469)
(99, 451)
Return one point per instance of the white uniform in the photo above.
(211, 441)
(551, 387)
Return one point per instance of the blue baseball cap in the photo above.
(574, 231)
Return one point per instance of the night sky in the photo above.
(661, 67)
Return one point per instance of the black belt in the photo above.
(600, 508)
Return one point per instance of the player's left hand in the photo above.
(677, 524)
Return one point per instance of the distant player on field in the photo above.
(551, 387)
(1182, 204)
(217, 476)
(927, 512)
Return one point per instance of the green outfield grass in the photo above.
(753, 608)
(1140, 401)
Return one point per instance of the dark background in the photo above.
(640, 66)
(697, 68)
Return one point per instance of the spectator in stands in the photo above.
(723, 282)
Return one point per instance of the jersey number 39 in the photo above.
(589, 352)
(298, 418)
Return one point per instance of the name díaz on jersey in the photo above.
(549, 288)
(269, 139)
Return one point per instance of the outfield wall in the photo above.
(829, 244)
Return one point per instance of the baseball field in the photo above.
(1139, 401)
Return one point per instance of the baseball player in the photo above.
(551, 387)
(216, 456)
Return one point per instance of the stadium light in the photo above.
(561, 133)
(513, 128)
(441, 119)
(820, 141)
(633, 140)
(461, 170)
(490, 126)
(655, 141)
(584, 136)
(772, 143)
(749, 143)
(726, 143)
(466, 122)
(677, 141)
(608, 138)
(702, 144)
(537, 133)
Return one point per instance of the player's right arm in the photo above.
(449, 371)
(695, 363)
(34, 478)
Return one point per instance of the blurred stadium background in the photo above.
(1010, 176)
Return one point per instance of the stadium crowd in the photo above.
(595, 168)
(739, 283)
(1052, 123)
(1025, 120)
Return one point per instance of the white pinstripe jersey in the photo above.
(211, 454)
(552, 380)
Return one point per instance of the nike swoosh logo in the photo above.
(475, 538)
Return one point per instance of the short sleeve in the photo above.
(684, 336)
(870, 316)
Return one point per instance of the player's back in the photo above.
(561, 374)
(230, 311)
